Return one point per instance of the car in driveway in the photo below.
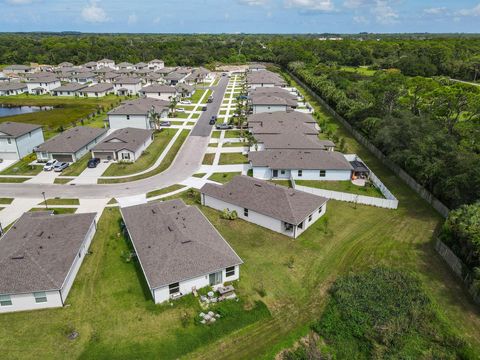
(181, 110)
(60, 166)
(223, 126)
(165, 123)
(210, 99)
(186, 102)
(92, 163)
(49, 165)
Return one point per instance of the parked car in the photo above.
(60, 166)
(92, 163)
(49, 165)
(186, 102)
(181, 110)
(212, 122)
(210, 99)
(165, 123)
(224, 126)
(204, 108)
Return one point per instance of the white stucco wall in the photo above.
(257, 109)
(332, 175)
(161, 96)
(135, 121)
(23, 302)
(21, 146)
(96, 94)
(162, 294)
(133, 89)
(47, 86)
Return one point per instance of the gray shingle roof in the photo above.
(12, 86)
(15, 129)
(265, 77)
(44, 79)
(127, 138)
(17, 67)
(266, 198)
(293, 141)
(98, 88)
(175, 242)
(70, 87)
(127, 80)
(140, 107)
(38, 251)
(71, 140)
(300, 159)
(158, 88)
(261, 99)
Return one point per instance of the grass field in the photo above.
(223, 177)
(6, 201)
(208, 159)
(13, 179)
(342, 186)
(165, 164)
(147, 159)
(59, 180)
(286, 183)
(22, 167)
(66, 112)
(232, 158)
(195, 98)
(56, 211)
(51, 202)
(216, 134)
(165, 190)
(235, 144)
(230, 134)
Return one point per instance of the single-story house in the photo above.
(70, 89)
(256, 67)
(43, 85)
(141, 65)
(278, 208)
(153, 78)
(185, 90)
(17, 69)
(41, 255)
(12, 88)
(125, 145)
(178, 249)
(106, 63)
(198, 75)
(157, 91)
(70, 145)
(138, 113)
(85, 78)
(156, 64)
(97, 90)
(174, 77)
(264, 78)
(91, 65)
(65, 64)
(125, 65)
(127, 85)
(300, 165)
(17, 140)
(271, 99)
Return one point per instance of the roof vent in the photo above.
(258, 185)
(153, 211)
(169, 228)
(17, 257)
(41, 233)
(186, 241)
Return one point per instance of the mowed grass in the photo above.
(23, 167)
(232, 158)
(58, 201)
(56, 211)
(208, 159)
(166, 190)
(147, 159)
(223, 177)
(164, 165)
(66, 112)
(342, 186)
(113, 312)
(76, 168)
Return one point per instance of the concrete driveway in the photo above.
(91, 175)
(44, 177)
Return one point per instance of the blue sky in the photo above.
(232, 16)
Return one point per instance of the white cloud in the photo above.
(253, 2)
(470, 12)
(354, 4)
(361, 19)
(19, 2)
(384, 13)
(435, 10)
(314, 5)
(94, 13)
(132, 19)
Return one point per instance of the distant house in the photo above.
(91, 65)
(156, 64)
(153, 78)
(278, 208)
(256, 67)
(70, 89)
(17, 69)
(125, 65)
(141, 65)
(178, 249)
(41, 255)
(137, 113)
(157, 91)
(127, 85)
(198, 75)
(43, 85)
(271, 99)
(174, 77)
(106, 63)
(12, 88)
(264, 78)
(65, 64)
(300, 165)
(97, 90)
(70, 145)
(85, 78)
(126, 145)
(185, 90)
(17, 140)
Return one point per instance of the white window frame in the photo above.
(40, 297)
(5, 300)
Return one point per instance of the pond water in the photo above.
(17, 110)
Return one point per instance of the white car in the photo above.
(186, 102)
(181, 110)
(49, 165)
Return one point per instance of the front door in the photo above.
(275, 173)
(215, 278)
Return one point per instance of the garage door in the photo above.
(104, 155)
(8, 156)
(62, 157)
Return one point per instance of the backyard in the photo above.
(342, 186)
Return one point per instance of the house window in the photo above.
(299, 173)
(300, 226)
(126, 156)
(9, 140)
(319, 209)
(323, 173)
(40, 297)
(174, 288)
(5, 300)
(128, 117)
(245, 212)
(310, 218)
(282, 172)
(230, 271)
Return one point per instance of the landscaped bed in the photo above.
(342, 186)
(147, 159)
(232, 158)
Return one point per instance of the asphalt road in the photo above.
(186, 163)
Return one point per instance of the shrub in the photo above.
(229, 215)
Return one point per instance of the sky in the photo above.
(235, 16)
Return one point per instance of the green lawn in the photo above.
(234, 144)
(195, 116)
(199, 175)
(67, 112)
(13, 179)
(56, 201)
(6, 201)
(216, 134)
(165, 190)
(229, 134)
(343, 186)
(360, 70)
(147, 159)
(232, 158)
(223, 177)
(165, 164)
(195, 98)
(22, 167)
(57, 211)
(78, 166)
(208, 159)
(213, 145)
(181, 115)
(286, 183)
(59, 180)
(112, 201)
